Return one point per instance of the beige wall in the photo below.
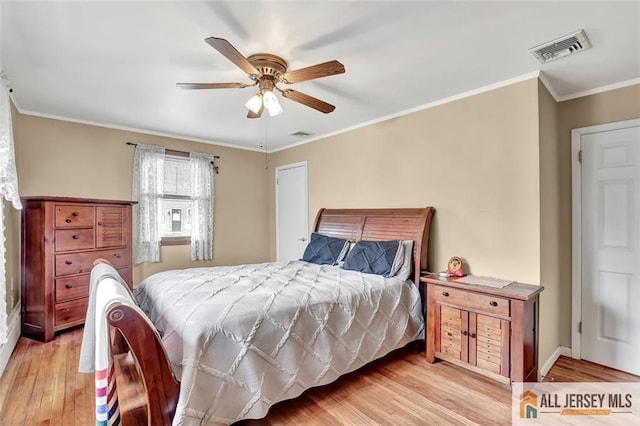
(553, 250)
(607, 107)
(68, 159)
(475, 160)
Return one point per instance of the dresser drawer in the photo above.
(72, 287)
(71, 216)
(77, 263)
(482, 303)
(74, 239)
(71, 312)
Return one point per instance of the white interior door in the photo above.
(292, 215)
(610, 248)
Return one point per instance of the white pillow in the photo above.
(344, 254)
(406, 266)
(398, 261)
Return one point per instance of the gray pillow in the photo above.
(373, 257)
(325, 250)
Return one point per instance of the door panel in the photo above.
(292, 214)
(610, 286)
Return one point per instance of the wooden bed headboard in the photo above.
(381, 225)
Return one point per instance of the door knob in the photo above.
(303, 239)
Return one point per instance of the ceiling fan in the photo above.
(267, 71)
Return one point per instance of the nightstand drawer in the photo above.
(481, 303)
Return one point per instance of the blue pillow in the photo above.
(372, 257)
(325, 250)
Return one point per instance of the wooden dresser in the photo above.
(61, 237)
(493, 331)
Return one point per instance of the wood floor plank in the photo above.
(572, 370)
(59, 364)
(11, 373)
(41, 386)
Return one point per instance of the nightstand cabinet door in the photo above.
(492, 344)
(476, 339)
(453, 334)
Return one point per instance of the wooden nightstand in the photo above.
(493, 331)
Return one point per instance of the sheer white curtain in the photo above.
(8, 191)
(3, 281)
(201, 206)
(148, 182)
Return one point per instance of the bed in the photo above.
(241, 338)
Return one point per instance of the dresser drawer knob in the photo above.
(118, 255)
(493, 303)
(69, 286)
(463, 332)
(100, 223)
(76, 237)
(472, 335)
(76, 214)
(68, 262)
(68, 220)
(445, 293)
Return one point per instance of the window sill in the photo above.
(175, 241)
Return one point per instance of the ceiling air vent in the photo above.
(563, 46)
(300, 134)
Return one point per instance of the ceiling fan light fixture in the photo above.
(255, 103)
(267, 70)
(271, 103)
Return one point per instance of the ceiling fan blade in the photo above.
(315, 71)
(230, 52)
(307, 100)
(252, 114)
(212, 85)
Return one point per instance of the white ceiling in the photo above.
(116, 63)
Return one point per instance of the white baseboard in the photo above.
(13, 334)
(544, 368)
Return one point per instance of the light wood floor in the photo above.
(41, 386)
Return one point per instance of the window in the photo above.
(175, 202)
(175, 223)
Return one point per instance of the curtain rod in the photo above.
(168, 149)
(185, 153)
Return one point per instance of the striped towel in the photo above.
(106, 287)
(107, 412)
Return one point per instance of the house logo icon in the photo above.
(528, 405)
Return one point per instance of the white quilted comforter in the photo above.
(241, 338)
